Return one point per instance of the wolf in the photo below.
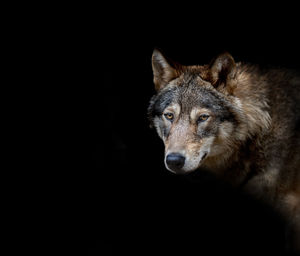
(237, 120)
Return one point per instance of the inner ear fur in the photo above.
(164, 70)
(222, 70)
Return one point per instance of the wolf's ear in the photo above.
(163, 70)
(222, 69)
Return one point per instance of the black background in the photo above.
(118, 196)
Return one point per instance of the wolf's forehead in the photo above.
(187, 93)
(191, 95)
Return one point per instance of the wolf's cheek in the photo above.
(162, 127)
(225, 130)
(224, 140)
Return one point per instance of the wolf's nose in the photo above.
(175, 160)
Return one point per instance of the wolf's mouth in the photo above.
(205, 154)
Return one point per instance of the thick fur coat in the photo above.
(237, 120)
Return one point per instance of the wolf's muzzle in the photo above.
(175, 161)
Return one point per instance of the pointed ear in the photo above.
(222, 69)
(163, 70)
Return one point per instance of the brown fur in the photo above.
(263, 152)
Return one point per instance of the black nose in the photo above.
(175, 161)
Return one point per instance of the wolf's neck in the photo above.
(237, 163)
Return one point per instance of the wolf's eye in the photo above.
(203, 118)
(169, 116)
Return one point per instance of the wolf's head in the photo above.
(194, 111)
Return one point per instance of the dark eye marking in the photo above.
(160, 102)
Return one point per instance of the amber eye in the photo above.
(169, 116)
(203, 118)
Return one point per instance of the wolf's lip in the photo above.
(205, 154)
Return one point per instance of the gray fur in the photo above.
(252, 136)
